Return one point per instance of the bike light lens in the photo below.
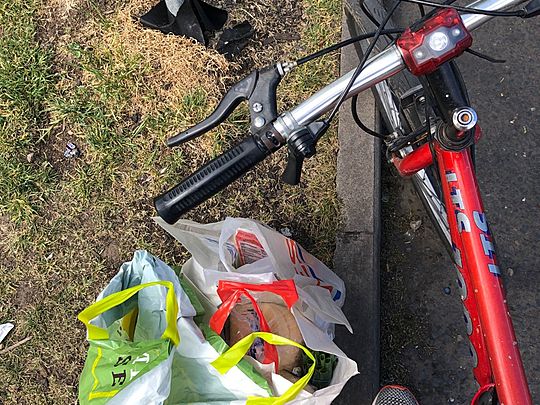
(439, 39)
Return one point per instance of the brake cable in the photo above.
(360, 66)
(346, 42)
(359, 122)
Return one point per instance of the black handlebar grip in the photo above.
(210, 179)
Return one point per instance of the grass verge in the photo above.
(85, 72)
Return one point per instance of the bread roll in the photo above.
(244, 320)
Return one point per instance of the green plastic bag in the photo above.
(115, 361)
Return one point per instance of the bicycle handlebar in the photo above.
(226, 168)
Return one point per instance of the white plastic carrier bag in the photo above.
(246, 251)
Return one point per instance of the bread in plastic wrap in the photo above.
(244, 320)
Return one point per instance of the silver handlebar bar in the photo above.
(378, 68)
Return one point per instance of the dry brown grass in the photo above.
(171, 66)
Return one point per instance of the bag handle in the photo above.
(231, 357)
(113, 300)
(286, 289)
(231, 291)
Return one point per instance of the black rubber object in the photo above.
(293, 170)
(210, 179)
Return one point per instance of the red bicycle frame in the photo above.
(483, 296)
(497, 360)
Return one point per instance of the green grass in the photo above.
(68, 224)
(25, 84)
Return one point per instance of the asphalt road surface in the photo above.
(424, 341)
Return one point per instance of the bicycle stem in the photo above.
(378, 68)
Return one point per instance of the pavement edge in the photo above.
(356, 257)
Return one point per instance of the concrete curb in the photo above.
(356, 257)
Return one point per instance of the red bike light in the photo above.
(439, 39)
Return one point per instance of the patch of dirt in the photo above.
(112, 254)
(41, 375)
(59, 19)
(277, 26)
(52, 151)
(25, 296)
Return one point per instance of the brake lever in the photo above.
(259, 88)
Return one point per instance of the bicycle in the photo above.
(431, 135)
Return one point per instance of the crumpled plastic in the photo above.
(4, 330)
(199, 20)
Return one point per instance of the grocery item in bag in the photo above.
(244, 320)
